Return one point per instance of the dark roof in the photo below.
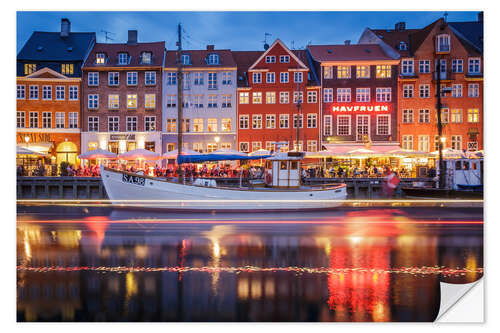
(198, 58)
(361, 52)
(394, 37)
(244, 59)
(50, 46)
(469, 32)
(134, 51)
(312, 78)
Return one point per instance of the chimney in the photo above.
(210, 47)
(400, 26)
(347, 42)
(480, 16)
(132, 37)
(65, 27)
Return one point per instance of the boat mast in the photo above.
(442, 167)
(180, 175)
(298, 107)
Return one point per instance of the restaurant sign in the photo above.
(361, 107)
(118, 137)
(33, 137)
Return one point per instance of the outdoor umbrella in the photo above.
(229, 151)
(260, 152)
(173, 154)
(140, 154)
(97, 154)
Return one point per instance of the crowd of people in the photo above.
(359, 172)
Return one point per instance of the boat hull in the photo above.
(128, 190)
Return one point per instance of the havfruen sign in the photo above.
(360, 108)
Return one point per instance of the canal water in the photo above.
(89, 263)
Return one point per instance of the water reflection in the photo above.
(91, 271)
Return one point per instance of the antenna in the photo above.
(106, 35)
(266, 45)
(445, 16)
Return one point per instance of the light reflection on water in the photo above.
(88, 270)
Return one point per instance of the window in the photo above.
(284, 59)
(407, 116)
(171, 125)
(343, 125)
(33, 119)
(328, 72)
(424, 90)
(211, 147)
(122, 58)
(424, 116)
(186, 125)
(383, 124)
(113, 124)
(424, 66)
(298, 77)
(257, 121)
(327, 95)
(284, 77)
(423, 143)
(131, 78)
(146, 58)
(60, 92)
(443, 43)
(47, 92)
(186, 59)
(244, 122)
(33, 92)
(197, 146)
(407, 67)
(93, 124)
(383, 94)
(270, 145)
(437, 141)
(171, 101)
(93, 78)
(171, 78)
(408, 142)
(198, 125)
(150, 101)
(198, 79)
(132, 124)
(270, 121)
(284, 97)
(343, 72)
(362, 94)
(402, 46)
(60, 120)
(363, 72)
(67, 69)
(150, 123)
(93, 101)
(73, 93)
(100, 58)
(284, 120)
(257, 98)
(312, 97)
(270, 97)
(456, 142)
(343, 95)
(383, 71)
(474, 66)
(298, 97)
(473, 89)
(270, 59)
(212, 101)
(212, 80)
(21, 91)
(198, 101)
(29, 68)
(312, 120)
(21, 119)
(46, 119)
(212, 124)
(456, 90)
(473, 115)
(244, 147)
(226, 78)
(73, 120)
(256, 145)
(226, 124)
(457, 65)
(270, 77)
(407, 90)
(456, 115)
(257, 78)
(113, 78)
(226, 101)
(327, 125)
(213, 59)
(298, 120)
(244, 97)
(131, 101)
(312, 145)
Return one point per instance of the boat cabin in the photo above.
(285, 169)
(464, 173)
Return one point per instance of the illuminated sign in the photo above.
(360, 108)
(117, 137)
(33, 137)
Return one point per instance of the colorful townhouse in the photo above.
(121, 92)
(48, 94)
(458, 47)
(278, 100)
(359, 96)
(208, 100)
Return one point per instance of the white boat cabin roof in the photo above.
(288, 156)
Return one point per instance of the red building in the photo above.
(458, 47)
(277, 91)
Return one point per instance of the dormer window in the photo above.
(146, 58)
(403, 46)
(284, 59)
(122, 58)
(213, 59)
(443, 43)
(100, 58)
(186, 59)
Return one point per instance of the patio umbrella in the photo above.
(173, 154)
(229, 151)
(140, 154)
(97, 154)
(450, 153)
(260, 152)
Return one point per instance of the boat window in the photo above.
(473, 166)
(466, 165)
(293, 165)
(283, 165)
(458, 165)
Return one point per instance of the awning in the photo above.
(215, 157)
(26, 151)
(41, 148)
(355, 150)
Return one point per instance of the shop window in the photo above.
(149, 145)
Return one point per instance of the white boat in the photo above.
(283, 191)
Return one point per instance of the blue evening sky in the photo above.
(232, 30)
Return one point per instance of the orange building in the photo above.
(48, 115)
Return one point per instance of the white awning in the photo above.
(41, 148)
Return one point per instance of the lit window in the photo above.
(100, 58)
(312, 145)
(383, 71)
(256, 145)
(362, 72)
(171, 125)
(328, 72)
(113, 101)
(212, 124)
(132, 101)
(244, 97)
(271, 121)
(198, 125)
(408, 142)
(270, 97)
(67, 69)
(149, 101)
(146, 58)
(423, 143)
(257, 121)
(29, 68)
(343, 72)
(473, 115)
(226, 124)
(456, 115)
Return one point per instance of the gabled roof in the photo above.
(134, 51)
(46, 73)
(244, 59)
(356, 52)
(278, 42)
(199, 57)
(469, 32)
(50, 46)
